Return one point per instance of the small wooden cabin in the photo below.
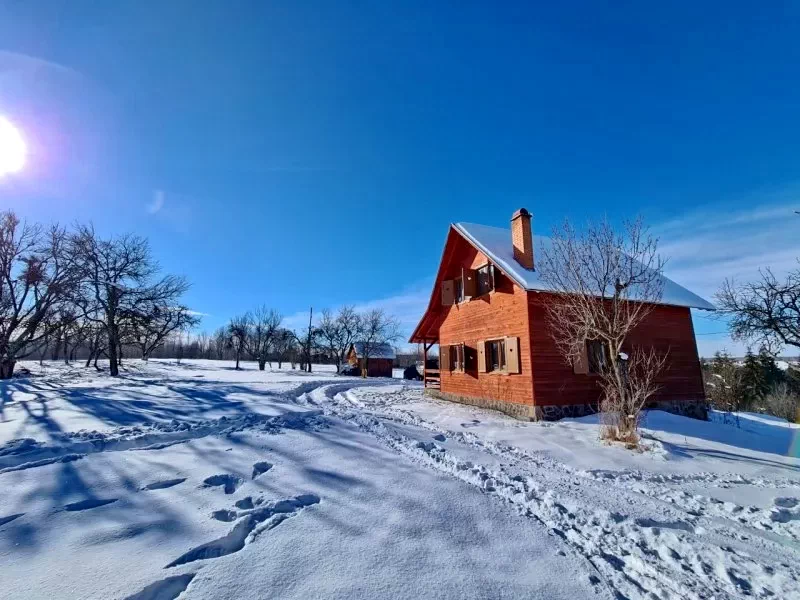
(381, 358)
(487, 314)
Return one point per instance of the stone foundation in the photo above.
(696, 409)
(554, 412)
(524, 412)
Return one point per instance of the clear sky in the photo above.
(302, 153)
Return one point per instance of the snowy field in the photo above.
(199, 481)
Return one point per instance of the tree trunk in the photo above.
(66, 350)
(119, 355)
(113, 366)
(237, 361)
(89, 360)
(261, 365)
(7, 368)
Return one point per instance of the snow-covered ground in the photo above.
(205, 482)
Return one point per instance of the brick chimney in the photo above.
(522, 238)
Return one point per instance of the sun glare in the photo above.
(12, 148)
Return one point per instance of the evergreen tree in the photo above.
(754, 384)
(771, 373)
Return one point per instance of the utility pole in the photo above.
(308, 340)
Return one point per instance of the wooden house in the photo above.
(381, 358)
(487, 314)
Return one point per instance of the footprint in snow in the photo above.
(260, 468)
(224, 515)
(787, 502)
(167, 588)
(473, 423)
(228, 482)
(439, 437)
(245, 503)
(270, 516)
(161, 485)
(87, 504)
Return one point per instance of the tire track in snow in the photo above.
(676, 555)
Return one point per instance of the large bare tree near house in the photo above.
(36, 273)
(605, 284)
(766, 311)
(376, 329)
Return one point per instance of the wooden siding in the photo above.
(501, 313)
(668, 328)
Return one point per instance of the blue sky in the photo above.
(304, 153)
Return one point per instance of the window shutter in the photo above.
(492, 286)
(512, 354)
(470, 279)
(448, 293)
(463, 358)
(581, 365)
(444, 358)
(481, 356)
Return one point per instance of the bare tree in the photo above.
(376, 329)
(264, 323)
(765, 311)
(604, 285)
(117, 292)
(204, 344)
(783, 402)
(155, 320)
(283, 344)
(337, 333)
(305, 340)
(238, 334)
(36, 272)
(220, 343)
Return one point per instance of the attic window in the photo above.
(485, 279)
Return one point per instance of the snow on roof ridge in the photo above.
(495, 242)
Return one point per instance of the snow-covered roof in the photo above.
(377, 351)
(495, 243)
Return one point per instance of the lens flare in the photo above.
(12, 148)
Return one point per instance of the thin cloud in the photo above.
(706, 246)
(157, 203)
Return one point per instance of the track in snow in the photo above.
(642, 537)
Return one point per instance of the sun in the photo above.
(12, 148)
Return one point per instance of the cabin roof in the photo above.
(377, 351)
(495, 243)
